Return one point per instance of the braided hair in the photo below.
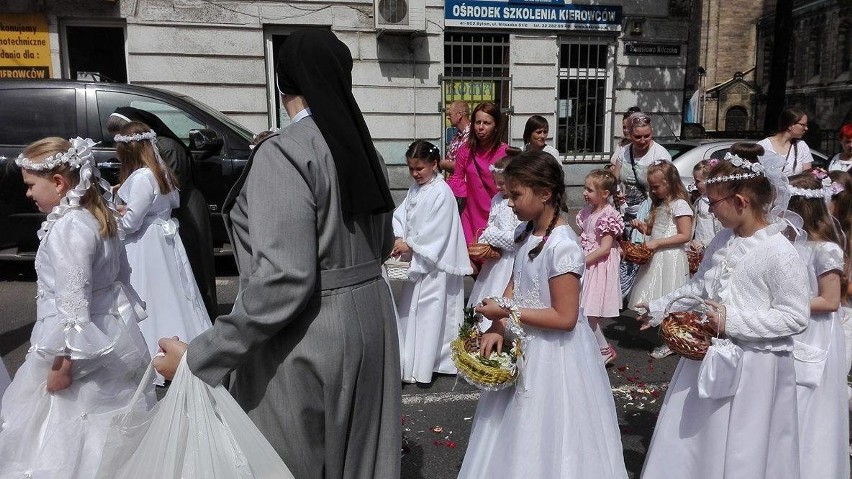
(539, 170)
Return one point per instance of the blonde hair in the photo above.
(91, 200)
(140, 154)
(672, 178)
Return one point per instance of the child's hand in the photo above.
(400, 248)
(643, 310)
(491, 310)
(717, 315)
(59, 377)
(652, 245)
(490, 342)
(639, 225)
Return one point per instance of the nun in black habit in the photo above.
(192, 214)
(311, 342)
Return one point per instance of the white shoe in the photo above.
(661, 352)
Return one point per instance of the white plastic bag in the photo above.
(195, 431)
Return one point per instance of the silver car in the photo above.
(687, 153)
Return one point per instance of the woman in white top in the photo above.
(787, 142)
(535, 136)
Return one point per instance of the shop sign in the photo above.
(531, 14)
(659, 49)
(24, 46)
(469, 91)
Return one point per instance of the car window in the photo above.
(176, 119)
(717, 154)
(32, 113)
(677, 149)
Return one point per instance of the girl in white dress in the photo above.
(87, 355)
(558, 420)
(429, 233)
(820, 350)
(159, 268)
(499, 233)
(706, 225)
(670, 228)
(841, 210)
(733, 415)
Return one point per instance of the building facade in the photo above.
(579, 64)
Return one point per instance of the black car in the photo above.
(34, 109)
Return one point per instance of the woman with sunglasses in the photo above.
(787, 141)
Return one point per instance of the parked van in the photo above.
(33, 109)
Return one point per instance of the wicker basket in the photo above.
(472, 368)
(636, 252)
(397, 270)
(482, 251)
(687, 333)
(694, 259)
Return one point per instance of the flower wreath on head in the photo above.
(151, 136)
(79, 157)
(756, 169)
(829, 188)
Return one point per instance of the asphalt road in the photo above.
(436, 418)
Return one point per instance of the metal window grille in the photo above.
(583, 114)
(476, 69)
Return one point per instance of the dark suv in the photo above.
(33, 109)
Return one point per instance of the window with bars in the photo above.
(585, 95)
(476, 69)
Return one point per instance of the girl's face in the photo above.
(625, 128)
(658, 185)
(641, 137)
(483, 125)
(798, 129)
(593, 194)
(421, 170)
(698, 177)
(539, 138)
(725, 207)
(500, 182)
(45, 191)
(526, 202)
(846, 144)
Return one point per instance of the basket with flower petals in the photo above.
(687, 333)
(498, 371)
(694, 259)
(636, 253)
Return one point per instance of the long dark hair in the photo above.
(539, 170)
(489, 144)
(534, 123)
(790, 117)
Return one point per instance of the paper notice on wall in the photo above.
(24, 46)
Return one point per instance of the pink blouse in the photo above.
(472, 179)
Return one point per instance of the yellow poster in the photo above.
(472, 91)
(24, 46)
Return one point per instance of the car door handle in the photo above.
(109, 164)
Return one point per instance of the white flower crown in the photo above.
(756, 169)
(829, 189)
(494, 169)
(148, 135)
(79, 153)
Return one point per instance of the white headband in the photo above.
(756, 169)
(494, 169)
(148, 135)
(79, 152)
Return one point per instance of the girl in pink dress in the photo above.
(601, 225)
(471, 179)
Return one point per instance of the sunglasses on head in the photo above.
(640, 121)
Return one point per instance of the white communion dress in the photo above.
(748, 428)
(87, 311)
(431, 303)
(668, 268)
(159, 268)
(822, 396)
(558, 420)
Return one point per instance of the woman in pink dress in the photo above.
(471, 180)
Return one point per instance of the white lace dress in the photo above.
(431, 303)
(559, 420)
(85, 310)
(500, 232)
(668, 268)
(754, 433)
(159, 268)
(822, 400)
